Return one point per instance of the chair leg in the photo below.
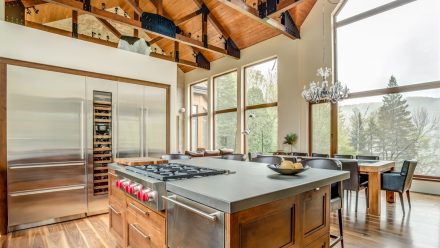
(409, 199)
(366, 197)
(401, 202)
(341, 230)
(357, 198)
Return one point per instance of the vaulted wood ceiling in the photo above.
(243, 29)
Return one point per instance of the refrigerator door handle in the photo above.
(82, 130)
(50, 190)
(145, 136)
(17, 167)
(141, 126)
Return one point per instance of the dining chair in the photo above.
(367, 157)
(320, 155)
(252, 155)
(344, 156)
(400, 181)
(237, 157)
(267, 159)
(336, 193)
(291, 159)
(355, 182)
(175, 157)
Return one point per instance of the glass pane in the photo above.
(199, 132)
(263, 129)
(354, 7)
(199, 98)
(225, 91)
(321, 128)
(370, 51)
(261, 83)
(225, 130)
(395, 127)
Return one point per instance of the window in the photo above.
(199, 115)
(400, 120)
(225, 111)
(321, 128)
(261, 112)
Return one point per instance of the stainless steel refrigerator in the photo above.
(46, 147)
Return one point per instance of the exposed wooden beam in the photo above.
(284, 6)
(159, 7)
(74, 24)
(75, 5)
(135, 7)
(152, 41)
(110, 27)
(252, 13)
(69, 34)
(180, 62)
(186, 18)
(136, 16)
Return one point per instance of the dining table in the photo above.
(374, 169)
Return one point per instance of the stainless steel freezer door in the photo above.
(130, 120)
(155, 121)
(33, 206)
(45, 116)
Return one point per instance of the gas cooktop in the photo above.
(174, 171)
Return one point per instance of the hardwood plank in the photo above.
(73, 236)
(55, 236)
(3, 143)
(91, 237)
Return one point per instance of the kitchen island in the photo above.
(249, 206)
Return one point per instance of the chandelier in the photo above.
(323, 91)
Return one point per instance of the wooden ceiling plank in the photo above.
(252, 13)
(110, 27)
(284, 6)
(135, 7)
(186, 18)
(75, 5)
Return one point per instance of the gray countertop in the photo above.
(251, 185)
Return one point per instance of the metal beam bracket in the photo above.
(290, 25)
(75, 30)
(202, 61)
(232, 48)
(87, 6)
(205, 11)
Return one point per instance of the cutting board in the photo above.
(140, 161)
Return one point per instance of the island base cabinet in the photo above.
(300, 221)
(116, 221)
(141, 235)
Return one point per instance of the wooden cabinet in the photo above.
(299, 221)
(116, 220)
(141, 234)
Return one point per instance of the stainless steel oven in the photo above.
(191, 224)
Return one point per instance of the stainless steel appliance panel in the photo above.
(38, 176)
(45, 116)
(190, 224)
(130, 120)
(44, 204)
(155, 120)
(97, 204)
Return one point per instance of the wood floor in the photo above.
(419, 228)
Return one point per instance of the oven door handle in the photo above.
(211, 217)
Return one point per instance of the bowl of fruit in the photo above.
(288, 168)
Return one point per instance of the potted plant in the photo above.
(290, 139)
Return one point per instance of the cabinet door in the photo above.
(130, 120)
(322, 242)
(155, 121)
(116, 221)
(315, 214)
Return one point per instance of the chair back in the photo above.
(367, 157)
(237, 157)
(408, 168)
(328, 164)
(175, 157)
(267, 159)
(343, 156)
(300, 154)
(320, 155)
(252, 155)
(353, 167)
(291, 159)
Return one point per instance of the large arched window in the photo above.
(388, 53)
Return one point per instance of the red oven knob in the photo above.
(118, 183)
(148, 195)
(132, 188)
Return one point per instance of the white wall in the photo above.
(22, 43)
(2, 10)
(297, 64)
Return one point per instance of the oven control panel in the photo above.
(137, 190)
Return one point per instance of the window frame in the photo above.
(256, 106)
(368, 93)
(197, 115)
(223, 111)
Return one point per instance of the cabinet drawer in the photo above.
(321, 242)
(113, 190)
(315, 211)
(116, 221)
(141, 234)
(146, 215)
